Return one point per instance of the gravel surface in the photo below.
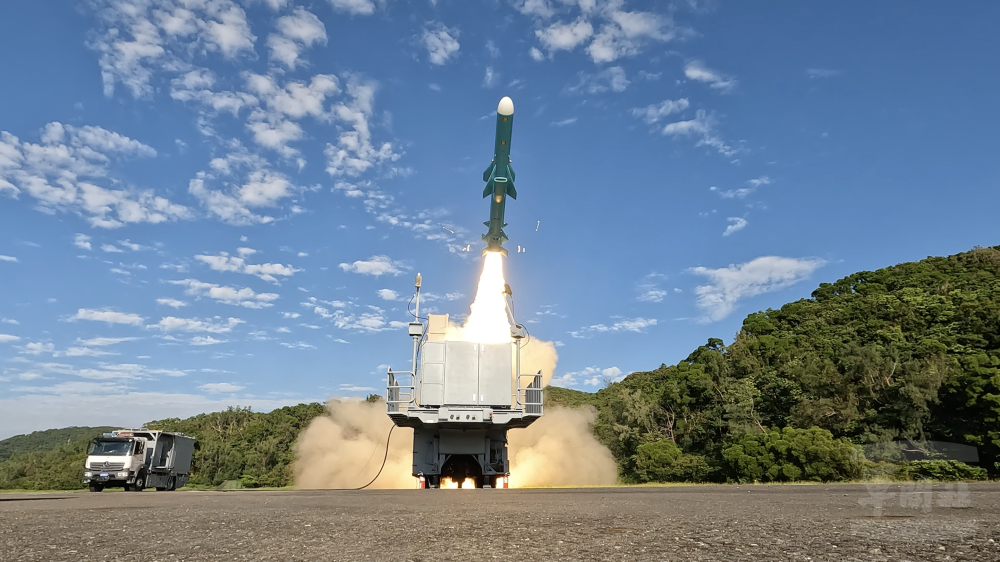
(818, 522)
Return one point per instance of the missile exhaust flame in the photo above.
(488, 319)
(449, 484)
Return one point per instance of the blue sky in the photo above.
(213, 202)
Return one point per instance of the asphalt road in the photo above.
(815, 522)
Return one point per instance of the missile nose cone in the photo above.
(506, 106)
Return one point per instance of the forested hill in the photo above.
(47, 440)
(906, 352)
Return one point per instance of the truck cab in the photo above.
(116, 461)
(135, 459)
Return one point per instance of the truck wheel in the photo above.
(140, 483)
(96, 488)
(171, 484)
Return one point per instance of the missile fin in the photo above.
(488, 190)
(510, 170)
(510, 187)
(489, 171)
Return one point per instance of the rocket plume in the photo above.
(488, 319)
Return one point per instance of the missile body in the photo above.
(499, 178)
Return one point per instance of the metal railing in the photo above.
(394, 395)
(532, 401)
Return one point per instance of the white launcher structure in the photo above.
(460, 398)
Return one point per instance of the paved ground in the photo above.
(679, 523)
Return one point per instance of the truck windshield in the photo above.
(102, 447)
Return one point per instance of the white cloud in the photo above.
(290, 314)
(218, 387)
(765, 274)
(655, 112)
(703, 126)
(296, 32)
(757, 182)
(171, 302)
(539, 8)
(230, 32)
(62, 174)
(35, 348)
(356, 388)
(490, 78)
(298, 345)
(354, 152)
(196, 86)
(354, 7)
(371, 319)
(740, 193)
(9, 321)
(536, 54)
(822, 72)
(82, 241)
(131, 245)
(593, 376)
(174, 324)
(564, 122)
(736, 224)
(441, 43)
(609, 79)
(8, 258)
(388, 294)
(245, 297)
(376, 265)
(7, 338)
(696, 70)
(137, 39)
(623, 325)
(652, 295)
(276, 126)
(109, 316)
(626, 33)
(225, 206)
(111, 248)
(492, 49)
(84, 352)
(204, 340)
(100, 342)
(266, 271)
(565, 36)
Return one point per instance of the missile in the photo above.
(499, 178)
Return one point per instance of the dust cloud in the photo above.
(539, 355)
(344, 449)
(560, 450)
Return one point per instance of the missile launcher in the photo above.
(461, 398)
